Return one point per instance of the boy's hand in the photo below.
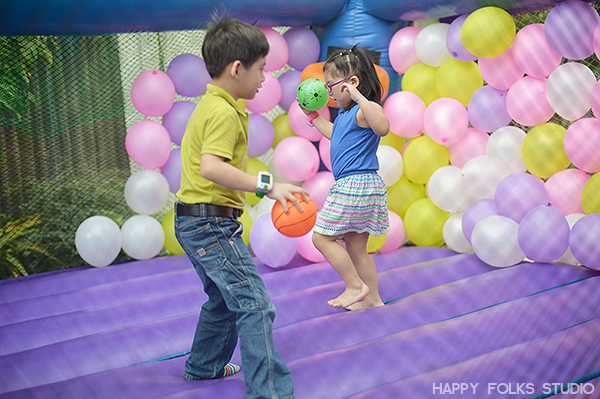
(283, 192)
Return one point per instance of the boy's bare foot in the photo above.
(365, 305)
(349, 297)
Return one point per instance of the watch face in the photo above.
(265, 178)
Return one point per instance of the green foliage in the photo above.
(17, 55)
(64, 202)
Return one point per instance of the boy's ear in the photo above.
(234, 68)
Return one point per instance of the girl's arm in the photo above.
(370, 113)
(324, 126)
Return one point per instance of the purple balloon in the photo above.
(261, 134)
(543, 234)
(189, 75)
(569, 29)
(304, 47)
(487, 109)
(172, 170)
(475, 212)
(454, 42)
(270, 246)
(289, 81)
(584, 239)
(175, 121)
(518, 193)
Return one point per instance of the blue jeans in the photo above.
(238, 305)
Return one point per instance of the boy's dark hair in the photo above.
(356, 61)
(228, 40)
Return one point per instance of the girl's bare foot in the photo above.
(349, 297)
(365, 305)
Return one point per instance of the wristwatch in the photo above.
(311, 117)
(264, 183)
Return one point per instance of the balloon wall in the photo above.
(494, 140)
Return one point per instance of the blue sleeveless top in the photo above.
(353, 147)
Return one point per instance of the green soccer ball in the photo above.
(312, 94)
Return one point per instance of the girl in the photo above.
(356, 204)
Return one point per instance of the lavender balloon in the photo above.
(518, 193)
(487, 109)
(543, 234)
(477, 211)
(175, 121)
(584, 239)
(569, 29)
(172, 170)
(304, 47)
(261, 134)
(270, 246)
(189, 75)
(289, 81)
(454, 43)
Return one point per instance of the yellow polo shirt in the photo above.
(219, 126)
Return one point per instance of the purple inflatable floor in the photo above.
(453, 327)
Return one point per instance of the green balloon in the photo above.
(312, 94)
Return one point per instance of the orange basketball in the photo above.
(294, 223)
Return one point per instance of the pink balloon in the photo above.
(395, 237)
(472, 144)
(148, 143)
(261, 134)
(445, 120)
(153, 93)
(278, 50)
(268, 95)
(532, 53)
(487, 109)
(596, 41)
(500, 72)
(171, 170)
(175, 121)
(582, 144)
(189, 75)
(324, 152)
(596, 99)
(296, 159)
(297, 119)
(405, 111)
(307, 249)
(565, 189)
(318, 187)
(454, 42)
(289, 82)
(402, 51)
(526, 102)
(304, 47)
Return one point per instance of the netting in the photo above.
(66, 160)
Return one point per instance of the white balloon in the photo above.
(98, 241)
(568, 257)
(146, 191)
(391, 166)
(430, 44)
(495, 242)
(446, 190)
(143, 237)
(505, 144)
(454, 236)
(481, 175)
(569, 90)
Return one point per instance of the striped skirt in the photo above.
(356, 203)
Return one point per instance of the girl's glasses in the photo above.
(330, 87)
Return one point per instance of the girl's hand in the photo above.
(355, 95)
(306, 112)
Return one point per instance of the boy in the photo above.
(211, 198)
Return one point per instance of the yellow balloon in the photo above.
(488, 32)
(375, 242)
(282, 127)
(590, 198)
(246, 222)
(423, 157)
(392, 140)
(543, 150)
(424, 223)
(459, 80)
(402, 194)
(254, 166)
(420, 79)
(168, 225)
